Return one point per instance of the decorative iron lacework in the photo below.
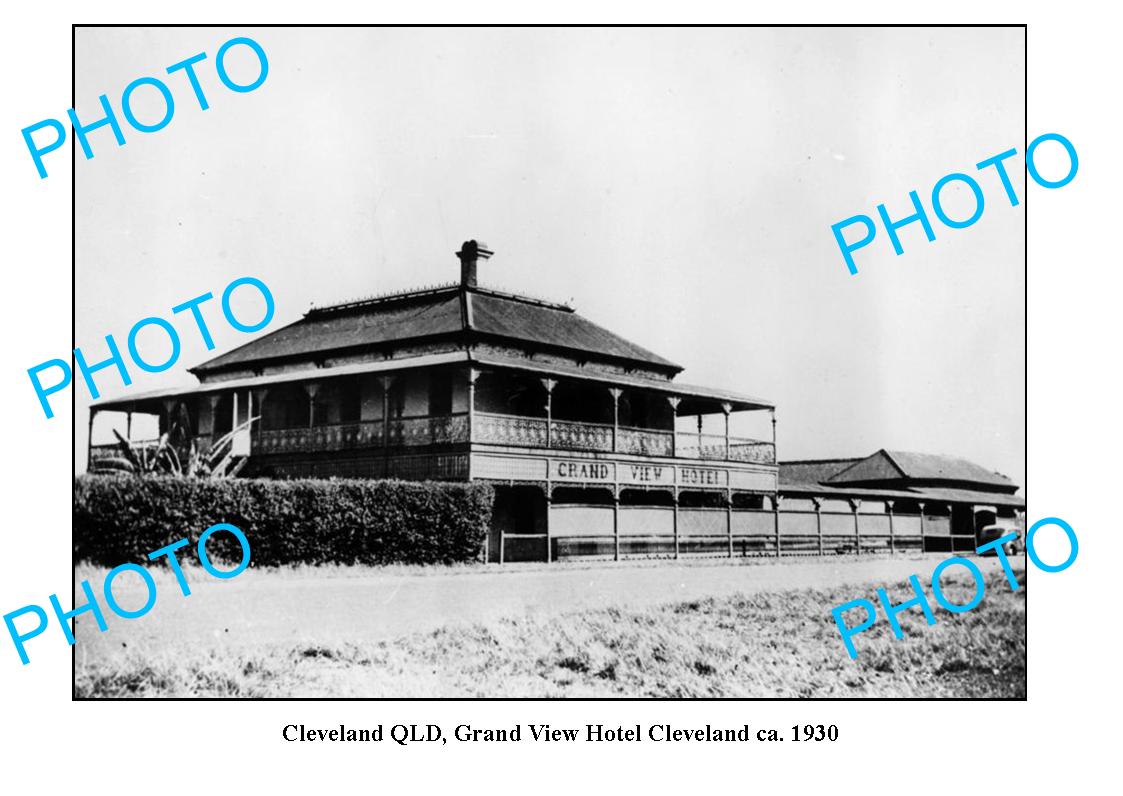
(582, 436)
(510, 430)
(645, 442)
(344, 436)
(412, 431)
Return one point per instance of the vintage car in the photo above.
(991, 532)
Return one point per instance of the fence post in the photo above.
(502, 544)
(923, 538)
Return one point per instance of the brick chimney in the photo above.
(470, 252)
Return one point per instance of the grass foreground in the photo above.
(780, 644)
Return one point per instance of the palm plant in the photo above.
(163, 458)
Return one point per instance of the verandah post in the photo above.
(387, 382)
(819, 521)
(674, 402)
(855, 504)
(473, 375)
(726, 409)
(615, 525)
(892, 542)
(776, 521)
(674, 527)
(549, 537)
(213, 399)
(729, 519)
(616, 393)
(549, 384)
(311, 388)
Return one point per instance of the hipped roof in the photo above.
(897, 465)
(900, 474)
(447, 312)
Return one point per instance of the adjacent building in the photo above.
(917, 501)
(594, 446)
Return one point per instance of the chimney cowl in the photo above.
(470, 253)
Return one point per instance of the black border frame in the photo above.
(1025, 201)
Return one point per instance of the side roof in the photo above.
(904, 465)
(813, 471)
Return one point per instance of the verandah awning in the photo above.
(127, 402)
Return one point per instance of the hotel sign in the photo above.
(582, 470)
(647, 474)
(702, 476)
(599, 471)
(591, 471)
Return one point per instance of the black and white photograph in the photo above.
(543, 362)
(589, 398)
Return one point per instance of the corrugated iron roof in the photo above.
(887, 465)
(553, 326)
(671, 388)
(947, 468)
(363, 324)
(813, 471)
(442, 312)
(972, 496)
(128, 401)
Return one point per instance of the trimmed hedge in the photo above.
(121, 518)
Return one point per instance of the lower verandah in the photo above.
(580, 522)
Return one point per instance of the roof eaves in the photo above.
(206, 365)
(581, 354)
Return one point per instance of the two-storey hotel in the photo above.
(594, 447)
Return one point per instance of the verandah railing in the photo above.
(400, 432)
(513, 430)
(538, 432)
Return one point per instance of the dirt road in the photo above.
(267, 608)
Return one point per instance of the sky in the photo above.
(676, 186)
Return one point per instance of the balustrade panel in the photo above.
(581, 436)
(342, 436)
(509, 430)
(644, 442)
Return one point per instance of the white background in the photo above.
(1064, 736)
